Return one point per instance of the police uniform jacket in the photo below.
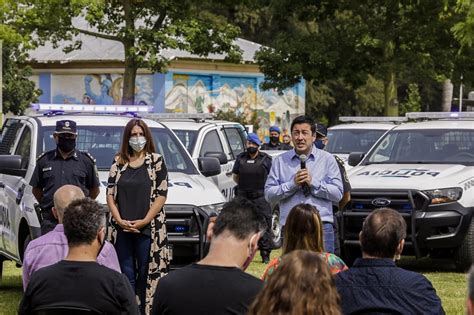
(252, 172)
(52, 172)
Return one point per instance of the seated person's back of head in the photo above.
(304, 231)
(375, 283)
(301, 285)
(217, 284)
(78, 281)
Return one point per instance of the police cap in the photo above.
(66, 126)
(252, 137)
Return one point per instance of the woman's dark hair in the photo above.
(381, 233)
(125, 149)
(303, 230)
(83, 219)
(301, 285)
(304, 120)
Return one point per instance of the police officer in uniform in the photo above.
(275, 143)
(320, 143)
(64, 165)
(250, 172)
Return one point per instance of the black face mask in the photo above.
(252, 150)
(66, 145)
(274, 139)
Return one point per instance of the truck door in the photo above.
(235, 139)
(212, 143)
(9, 137)
(17, 186)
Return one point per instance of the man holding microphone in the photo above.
(305, 174)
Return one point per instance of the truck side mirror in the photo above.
(355, 158)
(11, 165)
(219, 155)
(209, 166)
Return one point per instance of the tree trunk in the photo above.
(129, 76)
(390, 92)
(389, 82)
(447, 95)
(130, 73)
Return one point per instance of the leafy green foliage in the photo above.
(397, 42)
(464, 29)
(17, 90)
(144, 27)
(413, 102)
(370, 98)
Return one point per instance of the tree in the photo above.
(18, 92)
(395, 41)
(413, 102)
(464, 29)
(143, 27)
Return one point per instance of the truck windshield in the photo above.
(103, 142)
(187, 137)
(425, 146)
(352, 140)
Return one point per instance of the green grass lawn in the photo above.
(450, 286)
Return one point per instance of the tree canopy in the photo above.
(394, 41)
(143, 27)
(18, 92)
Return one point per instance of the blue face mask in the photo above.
(319, 144)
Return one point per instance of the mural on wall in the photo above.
(198, 94)
(185, 93)
(100, 89)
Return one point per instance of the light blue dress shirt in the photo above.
(326, 185)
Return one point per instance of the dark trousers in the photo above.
(133, 251)
(48, 222)
(265, 244)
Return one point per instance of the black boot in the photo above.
(265, 257)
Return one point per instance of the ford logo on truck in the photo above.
(381, 202)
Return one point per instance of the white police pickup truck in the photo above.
(424, 170)
(192, 198)
(204, 137)
(358, 134)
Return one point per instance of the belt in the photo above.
(250, 194)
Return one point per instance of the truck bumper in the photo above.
(441, 226)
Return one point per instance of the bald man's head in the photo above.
(382, 232)
(63, 197)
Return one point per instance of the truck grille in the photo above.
(407, 202)
(402, 201)
(186, 227)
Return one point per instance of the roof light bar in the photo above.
(439, 115)
(83, 108)
(197, 116)
(363, 119)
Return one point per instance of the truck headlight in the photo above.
(213, 210)
(444, 195)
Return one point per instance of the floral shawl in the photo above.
(159, 251)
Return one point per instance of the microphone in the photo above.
(303, 159)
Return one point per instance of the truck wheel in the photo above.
(25, 245)
(276, 228)
(464, 254)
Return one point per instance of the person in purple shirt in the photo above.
(319, 183)
(52, 247)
